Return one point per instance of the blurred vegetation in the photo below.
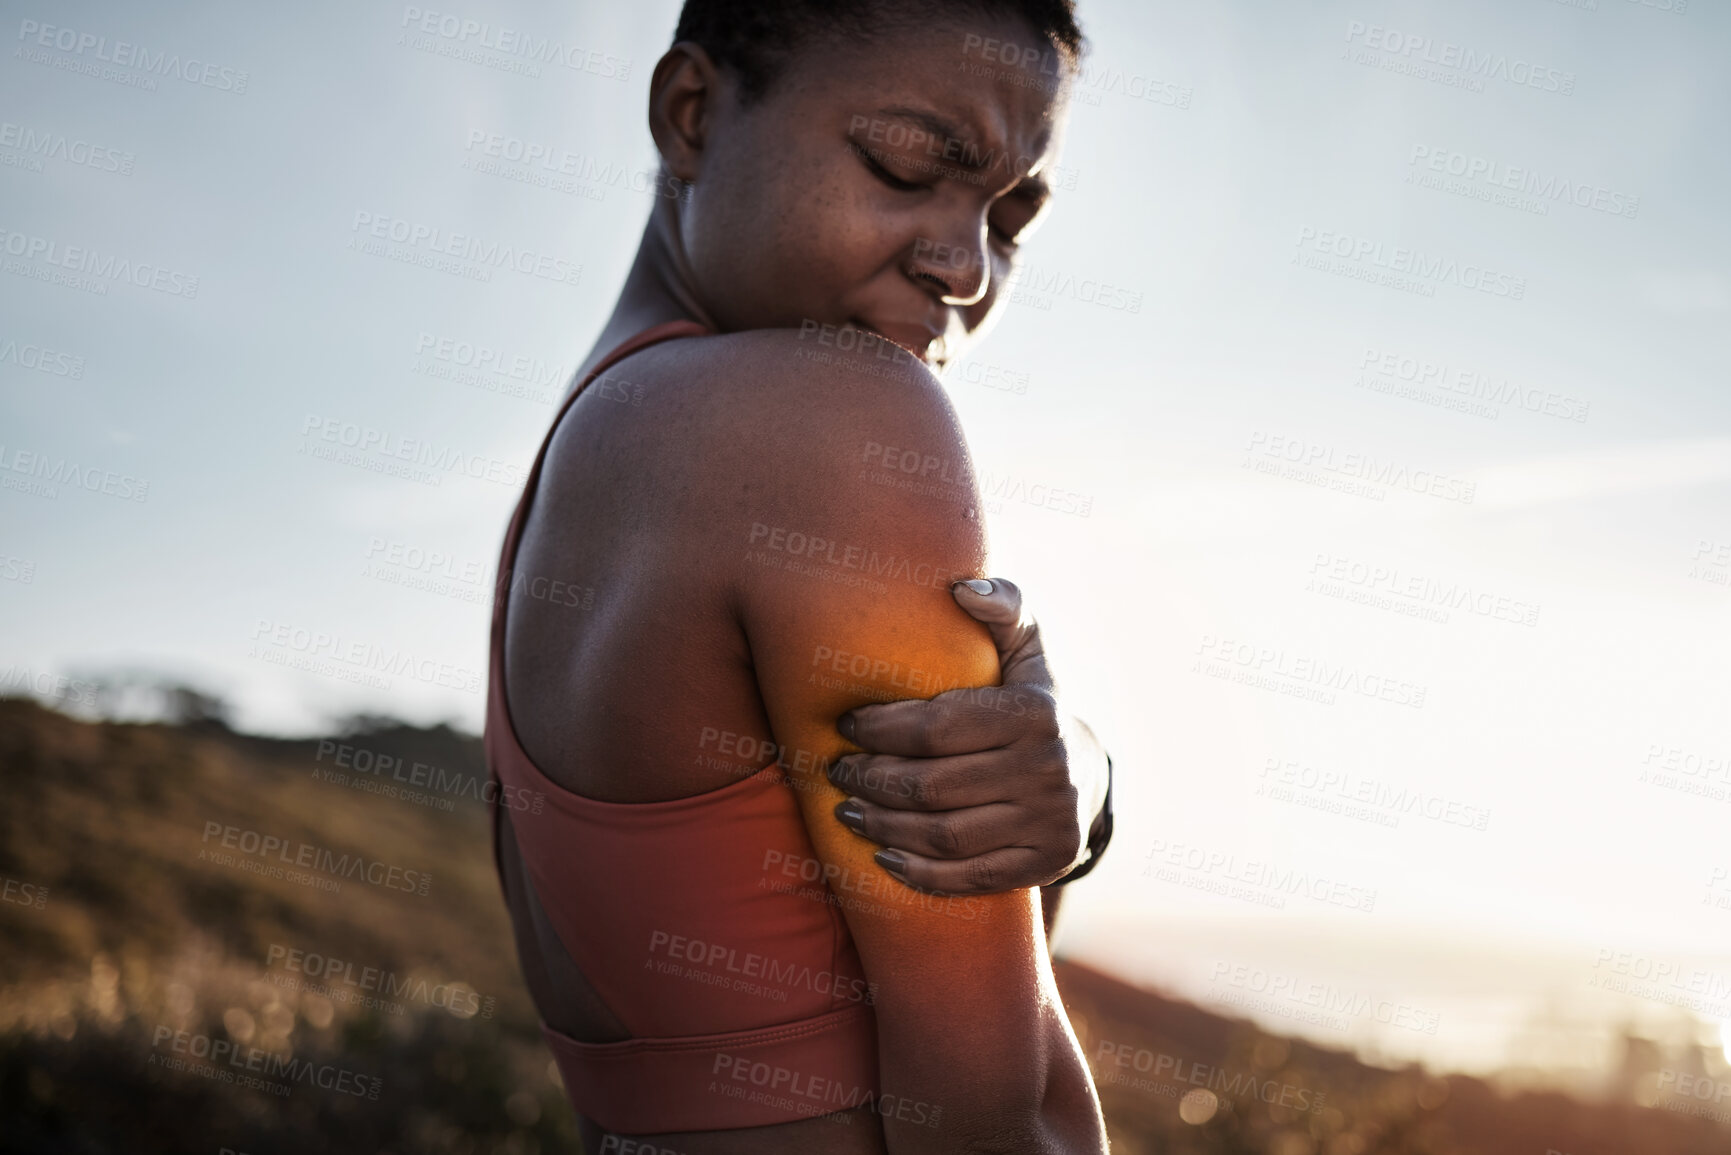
(137, 937)
(1218, 1086)
(136, 933)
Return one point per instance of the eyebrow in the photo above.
(946, 130)
(934, 124)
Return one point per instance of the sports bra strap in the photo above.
(820, 1058)
(655, 334)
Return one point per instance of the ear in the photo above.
(682, 95)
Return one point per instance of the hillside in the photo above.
(1260, 1094)
(215, 940)
(150, 925)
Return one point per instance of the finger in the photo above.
(1000, 870)
(997, 602)
(924, 784)
(945, 834)
(954, 722)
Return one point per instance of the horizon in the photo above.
(1399, 560)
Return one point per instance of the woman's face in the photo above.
(883, 186)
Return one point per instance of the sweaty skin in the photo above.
(883, 190)
(679, 512)
(976, 793)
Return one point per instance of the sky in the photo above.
(1386, 342)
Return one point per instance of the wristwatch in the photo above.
(1098, 836)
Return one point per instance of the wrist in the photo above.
(1086, 754)
(1099, 832)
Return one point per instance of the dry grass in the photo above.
(139, 938)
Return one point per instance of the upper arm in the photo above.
(843, 591)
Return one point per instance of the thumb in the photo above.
(997, 603)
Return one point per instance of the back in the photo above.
(630, 678)
(644, 889)
(719, 554)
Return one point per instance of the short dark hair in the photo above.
(755, 39)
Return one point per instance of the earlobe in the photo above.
(681, 92)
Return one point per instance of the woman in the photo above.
(720, 964)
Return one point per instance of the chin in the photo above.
(905, 342)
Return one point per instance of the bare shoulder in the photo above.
(759, 455)
(802, 381)
(810, 414)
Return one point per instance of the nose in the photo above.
(959, 271)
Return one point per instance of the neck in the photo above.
(658, 288)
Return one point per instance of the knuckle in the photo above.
(1047, 762)
(920, 791)
(1045, 712)
(933, 721)
(984, 875)
(1068, 797)
(873, 778)
(1038, 704)
(913, 872)
(921, 731)
(989, 770)
(947, 838)
(1056, 755)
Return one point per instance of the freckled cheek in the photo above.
(759, 254)
(832, 249)
(814, 260)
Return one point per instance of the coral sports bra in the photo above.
(719, 949)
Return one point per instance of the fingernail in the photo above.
(892, 861)
(844, 726)
(981, 586)
(850, 814)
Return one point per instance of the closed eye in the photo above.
(885, 174)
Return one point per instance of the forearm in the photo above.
(1072, 1123)
(1058, 1116)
